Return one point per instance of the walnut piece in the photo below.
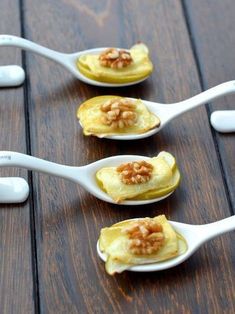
(135, 172)
(115, 59)
(145, 237)
(119, 113)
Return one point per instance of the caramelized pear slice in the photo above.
(140, 68)
(161, 192)
(170, 159)
(114, 243)
(169, 179)
(90, 116)
(109, 179)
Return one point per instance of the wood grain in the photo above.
(68, 220)
(213, 31)
(16, 276)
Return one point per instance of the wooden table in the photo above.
(48, 260)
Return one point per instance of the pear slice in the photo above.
(111, 77)
(90, 118)
(161, 192)
(170, 159)
(114, 243)
(161, 177)
(142, 67)
(164, 183)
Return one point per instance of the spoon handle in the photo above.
(11, 75)
(223, 121)
(217, 228)
(12, 159)
(14, 41)
(202, 98)
(13, 190)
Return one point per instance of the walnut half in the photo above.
(115, 59)
(135, 172)
(119, 113)
(145, 237)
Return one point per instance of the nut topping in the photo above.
(115, 59)
(145, 237)
(119, 113)
(135, 172)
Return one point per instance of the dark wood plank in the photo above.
(213, 31)
(71, 277)
(16, 277)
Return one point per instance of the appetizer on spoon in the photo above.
(107, 67)
(125, 179)
(153, 244)
(131, 119)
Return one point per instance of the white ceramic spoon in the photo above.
(67, 60)
(167, 112)
(195, 235)
(11, 75)
(223, 121)
(13, 190)
(84, 175)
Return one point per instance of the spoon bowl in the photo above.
(195, 236)
(84, 175)
(67, 60)
(168, 112)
